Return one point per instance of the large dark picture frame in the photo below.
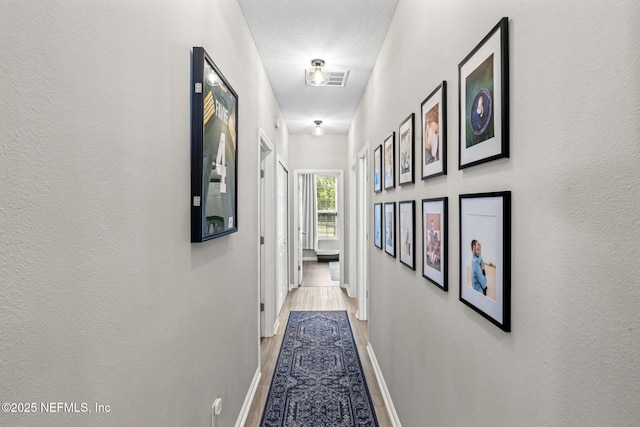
(435, 242)
(407, 233)
(433, 117)
(483, 99)
(214, 151)
(485, 255)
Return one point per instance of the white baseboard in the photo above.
(391, 410)
(248, 400)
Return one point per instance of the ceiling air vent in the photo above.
(337, 78)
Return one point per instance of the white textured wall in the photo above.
(572, 358)
(104, 299)
(319, 152)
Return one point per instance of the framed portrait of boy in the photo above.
(485, 255)
(434, 241)
(406, 136)
(483, 99)
(390, 228)
(434, 132)
(389, 161)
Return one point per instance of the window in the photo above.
(327, 206)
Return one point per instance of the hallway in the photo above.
(315, 298)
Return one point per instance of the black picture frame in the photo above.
(389, 219)
(407, 233)
(406, 148)
(483, 99)
(377, 225)
(377, 169)
(433, 118)
(485, 255)
(389, 148)
(214, 151)
(435, 242)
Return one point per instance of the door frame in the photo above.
(362, 230)
(266, 219)
(352, 287)
(341, 217)
(285, 286)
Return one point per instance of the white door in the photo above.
(267, 236)
(282, 236)
(300, 233)
(262, 249)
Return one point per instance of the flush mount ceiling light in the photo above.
(317, 129)
(316, 76)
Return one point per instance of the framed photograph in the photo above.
(407, 233)
(377, 225)
(485, 255)
(389, 161)
(435, 246)
(390, 228)
(434, 132)
(214, 151)
(406, 134)
(483, 101)
(377, 169)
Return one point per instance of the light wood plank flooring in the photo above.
(316, 298)
(317, 274)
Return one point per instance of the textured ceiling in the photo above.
(347, 34)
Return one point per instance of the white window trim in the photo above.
(336, 211)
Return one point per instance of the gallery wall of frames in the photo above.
(484, 222)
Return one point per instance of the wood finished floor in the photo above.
(316, 298)
(317, 274)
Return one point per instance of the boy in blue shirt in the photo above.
(478, 275)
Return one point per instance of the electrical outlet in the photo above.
(216, 408)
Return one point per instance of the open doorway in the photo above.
(319, 222)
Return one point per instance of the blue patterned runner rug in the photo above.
(318, 380)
